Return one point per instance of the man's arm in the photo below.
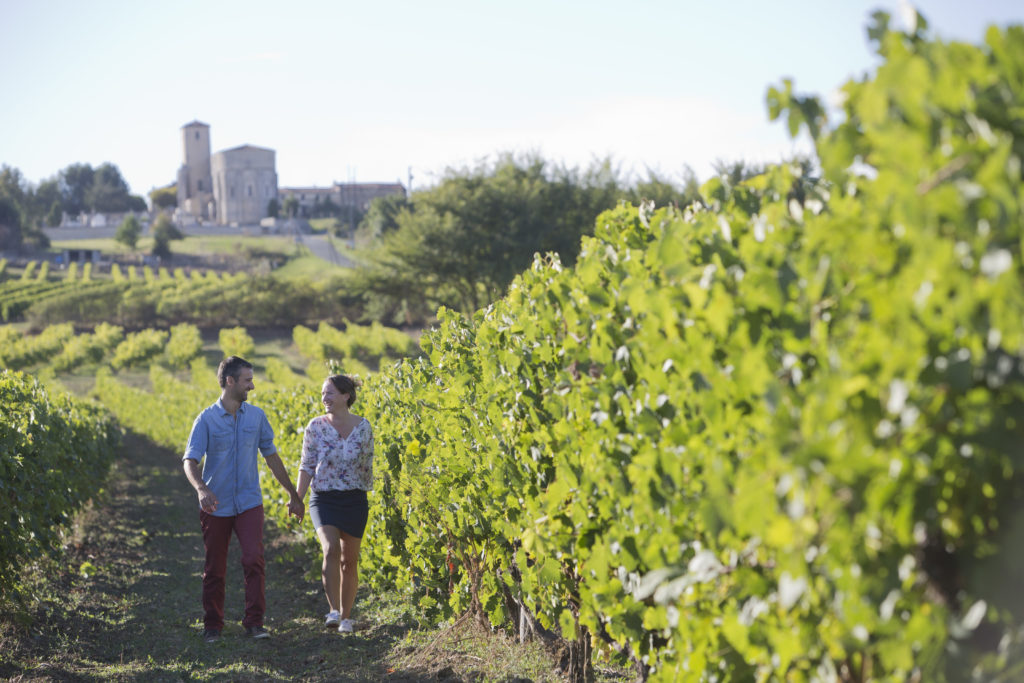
(207, 501)
(295, 505)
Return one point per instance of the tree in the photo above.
(137, 203)
(45, 197)
(461, 243)
(109, 191)
(163, 231)
(75, 183)
(382, 216)
(128, 232)
(10, 223)
(54, 215)
(164, 197)
(664, 192)
(273, 208)
(290, 206)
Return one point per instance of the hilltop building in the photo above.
(341, 195)
(235, 186)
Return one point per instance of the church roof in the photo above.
(244, 147)
(195, 123)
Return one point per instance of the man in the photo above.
(228, 433)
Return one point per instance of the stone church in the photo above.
(232, 187)
(235, 186)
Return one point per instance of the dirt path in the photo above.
(126, 604)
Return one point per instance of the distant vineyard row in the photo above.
(144, 297)
(59, 349)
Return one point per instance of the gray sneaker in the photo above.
(211, 635)
(256, 632)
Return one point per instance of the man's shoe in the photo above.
(211, 635)
(332, 619)
(346, 626)
(256, 632)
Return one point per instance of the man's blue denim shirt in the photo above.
(230, 444)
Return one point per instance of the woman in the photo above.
(337, 461)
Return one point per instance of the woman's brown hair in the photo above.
(345, 385)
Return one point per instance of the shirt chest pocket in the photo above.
(221, 440)
(249, 438)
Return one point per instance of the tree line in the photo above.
(26, 208)
(461, 242)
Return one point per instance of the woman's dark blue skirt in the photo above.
(344, 510)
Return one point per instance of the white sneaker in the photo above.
(346, 626)
(333, 617)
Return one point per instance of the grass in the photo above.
(307, 267)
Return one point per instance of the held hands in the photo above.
(296, 507)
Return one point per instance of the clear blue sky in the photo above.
(365, 90)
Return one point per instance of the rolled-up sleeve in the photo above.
(267, 446)
(308, 461)
(198, 440)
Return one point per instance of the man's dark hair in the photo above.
(345, 385)
(230, 367)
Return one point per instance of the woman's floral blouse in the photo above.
(336, 463)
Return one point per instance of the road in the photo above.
(321, 247)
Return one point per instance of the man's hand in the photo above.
(296, 507)
(207, 501)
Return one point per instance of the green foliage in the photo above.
(356, 347)
(461, 243)
(132, 302)
(139, 348)
(55, 453)
(10, 222)
(128, 231)
(701, 448)
(185, 344)
(54, 216)
(164, 197)
(30, 350)
(163, 232)
(85, 301)
(279, 373)
(164, 415)
(290, 206)
(88, 348)
(235, 341)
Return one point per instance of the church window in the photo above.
(197, 135)
(248, 190)
(231, 191)
(200, 184)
